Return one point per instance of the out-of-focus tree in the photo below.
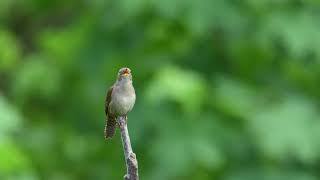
(225, 89)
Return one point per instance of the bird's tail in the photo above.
(110, 127)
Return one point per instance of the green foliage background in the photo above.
(225, 89)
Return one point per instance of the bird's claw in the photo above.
(121, 124)
(122, 121)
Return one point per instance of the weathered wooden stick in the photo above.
(130, 157)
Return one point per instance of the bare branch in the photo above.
(131, 160)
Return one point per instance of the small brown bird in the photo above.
(120, 100)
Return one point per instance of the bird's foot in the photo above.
(121, 124)
(122, 121)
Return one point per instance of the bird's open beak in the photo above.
(126, 73)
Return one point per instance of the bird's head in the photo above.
(124, 74)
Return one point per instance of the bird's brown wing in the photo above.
(108, 99)
(111, 120)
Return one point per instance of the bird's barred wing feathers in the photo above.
(111, 120)
(108, 99)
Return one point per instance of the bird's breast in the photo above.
(122, 102)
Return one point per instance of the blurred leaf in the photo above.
(298, 31)
(13, 160)
(288, 130)
(10, 119)
(183, 86)
(270, 174)
(9, 51)
(64, 46)
(38, 78)
(210, 156)
(235, 98)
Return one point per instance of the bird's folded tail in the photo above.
(110, 127)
